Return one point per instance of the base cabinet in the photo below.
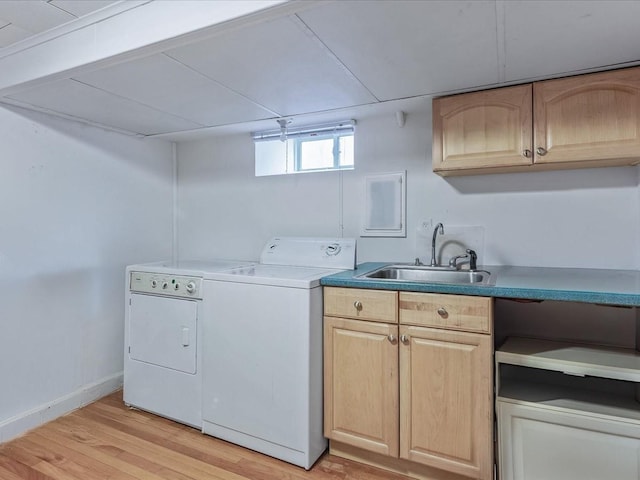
(360, 384)
(538, 443)
(567, 411)
(446, 399)
(411, 393)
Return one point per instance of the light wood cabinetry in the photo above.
(446, 400)
(361, 304)
(588, 118)
(470, 314)
(583, 121)
(420, 396)
(482, 130)
(360, 378)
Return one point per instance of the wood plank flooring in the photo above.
(108, 441)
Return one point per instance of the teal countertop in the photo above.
(609, 287)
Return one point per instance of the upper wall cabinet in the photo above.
(575, 122)
(482, 130)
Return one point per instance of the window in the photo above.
(305, 149)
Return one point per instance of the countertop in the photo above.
(608, 287)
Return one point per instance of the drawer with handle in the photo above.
(454, 312)
(363, 304)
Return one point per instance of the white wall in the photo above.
(573, 218)
(77, 204)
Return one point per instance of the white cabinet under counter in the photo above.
(567, 411)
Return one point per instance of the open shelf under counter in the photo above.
(567, 410)
(616, 405)
(571, 358)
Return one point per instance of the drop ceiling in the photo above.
(20, 19)
(312, 59)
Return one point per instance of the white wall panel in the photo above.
(224, 211)
(577, 218)
(77, 205)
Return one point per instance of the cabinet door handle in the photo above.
(541, 151)
(392, 338)
(357, 305)
(443, 312)
(404, 338)
(527, 153)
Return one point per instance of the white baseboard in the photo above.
(21, 423)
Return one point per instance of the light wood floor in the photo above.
(106, 440)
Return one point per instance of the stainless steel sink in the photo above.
(425, 274)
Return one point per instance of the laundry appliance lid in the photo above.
(197, 268)
(338, 253)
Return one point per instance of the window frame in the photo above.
(297, 165)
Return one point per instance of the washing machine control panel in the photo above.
(165, 284)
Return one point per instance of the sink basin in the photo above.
(425, 274)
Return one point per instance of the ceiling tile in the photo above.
(11, 34)
(72, 98)
(80, 7)
(279, 64)
(549, 37)
(406, 48)
(164, 84)
(33, 16)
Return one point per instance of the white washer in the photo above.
(262, 326)
(163, 340)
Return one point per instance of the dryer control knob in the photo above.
(154, 283)
(165, 285)
(191, 287)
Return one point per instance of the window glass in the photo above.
(308, 149)
(316, 154)
(346, 151)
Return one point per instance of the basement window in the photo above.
(315, 148)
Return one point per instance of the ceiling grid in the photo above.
(179, 73)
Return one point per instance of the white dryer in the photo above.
(163, 338)
(262, 370)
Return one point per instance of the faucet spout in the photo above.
(439, 227)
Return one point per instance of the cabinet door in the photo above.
(483, 130)
(446, 395)
(540, 442)
(588, 118)
(361, 384)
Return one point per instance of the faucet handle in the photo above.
(473, 259)
(453, 263)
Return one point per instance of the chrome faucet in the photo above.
(440, 227)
